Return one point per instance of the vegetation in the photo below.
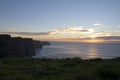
(59, 69)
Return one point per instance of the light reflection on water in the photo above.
(92, 52)
(82, 50)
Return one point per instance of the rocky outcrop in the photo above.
(16, 47)
(40, 44)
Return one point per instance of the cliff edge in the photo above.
(18, 47)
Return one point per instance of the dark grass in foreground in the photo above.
(59, 69)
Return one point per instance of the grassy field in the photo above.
(59, 69)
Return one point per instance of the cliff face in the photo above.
(16, 47)
(30, 48)
(5, 42)
(19, 47)
(23, 47)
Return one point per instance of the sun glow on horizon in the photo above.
(94, 41)
(84, 41)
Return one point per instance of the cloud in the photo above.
(118, 25)
(56, 35)
(69, 30)
(106, 33)
(60, 33)
(109, 38)
(70, 33)
(72, 30)
(98, 25)
(26, 33)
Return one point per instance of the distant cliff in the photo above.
(40, 44)
(18, 47)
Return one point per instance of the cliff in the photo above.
(16, 47)
(19, 47)
(5, 45)
(22, 47)
(40, 44)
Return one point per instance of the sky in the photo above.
(70, 20)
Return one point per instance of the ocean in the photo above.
(62, 50)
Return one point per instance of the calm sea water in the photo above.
(82, 50)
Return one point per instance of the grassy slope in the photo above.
(54, 69)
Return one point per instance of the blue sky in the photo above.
(48, 15)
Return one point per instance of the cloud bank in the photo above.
(70, 33)
(56, 31)
(109, 38)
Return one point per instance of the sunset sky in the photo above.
(63, 20)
